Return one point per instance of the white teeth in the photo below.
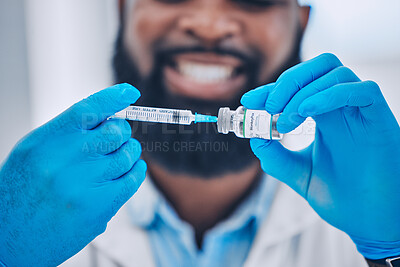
(205, 73)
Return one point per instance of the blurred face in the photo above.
(204, 54)
(212, 43)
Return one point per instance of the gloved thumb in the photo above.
(290, 167)
(91, 111)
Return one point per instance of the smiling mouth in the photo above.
(205, 76)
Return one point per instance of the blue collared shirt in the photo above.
(227, 244)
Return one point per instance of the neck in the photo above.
(205, 202)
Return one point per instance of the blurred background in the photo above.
(55, 52)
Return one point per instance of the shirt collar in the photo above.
(148, 204)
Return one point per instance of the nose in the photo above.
(209, 24)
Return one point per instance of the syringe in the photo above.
(245, 123)
(162, 115)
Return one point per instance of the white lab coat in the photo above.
(291, 235)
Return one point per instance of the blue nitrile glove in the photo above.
(350, 174)
(64, 181)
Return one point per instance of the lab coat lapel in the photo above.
(290, 214)
(127, 245)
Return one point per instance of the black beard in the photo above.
(198, 149)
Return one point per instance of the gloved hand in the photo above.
(350, 174)
(64, 181)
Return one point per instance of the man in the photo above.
(207, 207)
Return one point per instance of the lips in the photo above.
(205, 76)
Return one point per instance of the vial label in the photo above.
(257, 124)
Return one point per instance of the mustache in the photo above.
(247, 57)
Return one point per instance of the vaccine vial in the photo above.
(248, 123)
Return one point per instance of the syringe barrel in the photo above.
(160, 115)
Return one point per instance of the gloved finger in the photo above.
(297, 77)
(357, 94)
(255, 99)
(121, 161)
(109, 136)
(90, 112)
(291, 167)
(290, 118)
(127, 185)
